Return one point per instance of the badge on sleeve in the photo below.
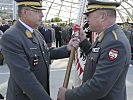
(113, 54)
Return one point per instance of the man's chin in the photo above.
(39, 23)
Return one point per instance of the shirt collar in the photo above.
(28, 27)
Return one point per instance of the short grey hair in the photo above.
(20, 7)
(110, 12)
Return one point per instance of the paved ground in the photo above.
(58, 69)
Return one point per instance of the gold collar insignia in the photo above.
(28, 34)
(100, 37)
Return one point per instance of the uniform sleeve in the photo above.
(85, 45)
(108, 70)
(18, 64)
(58, 53)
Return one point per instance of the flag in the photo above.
(79, 63)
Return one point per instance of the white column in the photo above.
(14, 9)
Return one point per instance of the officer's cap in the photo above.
(101, 4)
(36, 4)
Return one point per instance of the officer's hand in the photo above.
(79, 31)
(74, 42)
(82, 34)
(61, 93)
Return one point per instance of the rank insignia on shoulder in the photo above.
(113, 54)
(96, 50)
(115, 35)
(28, 34)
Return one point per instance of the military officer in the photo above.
(28, 56)
(107, 60)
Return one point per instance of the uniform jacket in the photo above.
(28, 62)
(105, 69)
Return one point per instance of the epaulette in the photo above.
(28, 34)
(115, 35)
(101, 37)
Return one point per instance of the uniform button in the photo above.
(24, 92)
(91, 58)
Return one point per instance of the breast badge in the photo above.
(35, 60)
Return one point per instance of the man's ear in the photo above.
(24, 11)
(104, 16)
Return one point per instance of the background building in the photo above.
(67, 10)
(7, 9)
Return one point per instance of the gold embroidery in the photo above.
(28, 34)
(101, 37)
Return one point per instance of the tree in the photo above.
(56, 19)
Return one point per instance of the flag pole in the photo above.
(79, 21)
(69, 66)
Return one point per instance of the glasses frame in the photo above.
(35, 10)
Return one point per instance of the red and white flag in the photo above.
(80, 57)
(79, 65)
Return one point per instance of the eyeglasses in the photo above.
(36, 11)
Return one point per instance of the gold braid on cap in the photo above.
(91, 10)
(30, 3)
(95, 6)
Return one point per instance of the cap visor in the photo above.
(38, 8)
(89, 11)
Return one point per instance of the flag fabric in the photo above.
(79, 63)
(80, 59)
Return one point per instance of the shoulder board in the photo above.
(28, 34)
(115, 35)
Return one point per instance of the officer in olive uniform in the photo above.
(108, 59)
(28, 56)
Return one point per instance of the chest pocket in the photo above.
(90, 66)
(94, 56)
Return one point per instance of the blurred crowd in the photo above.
(128, 30)
(55, 33)
(61, 34)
